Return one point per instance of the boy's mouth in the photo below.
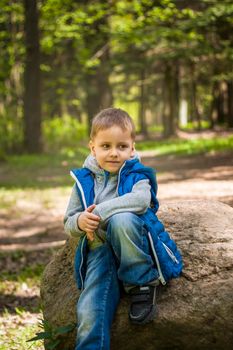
(113, 161)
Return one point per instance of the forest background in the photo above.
(169, 63)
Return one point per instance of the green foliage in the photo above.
(61, 133)
(52, 336)
(11, 69)
(131, 37)
(11, 131)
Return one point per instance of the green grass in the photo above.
(194, 125)
(40, 171)
(14, 334)
(19, 280)
(155, 128)
(52, 170)
(30, 275)
(19, 325)
(187, 147)
(14, 198)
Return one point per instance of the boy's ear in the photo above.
(133, 150)
(92, 147)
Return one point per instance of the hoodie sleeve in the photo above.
(73, 211)
(137, 201)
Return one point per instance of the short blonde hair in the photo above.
(109, 117)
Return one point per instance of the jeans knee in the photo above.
(122, 221)
(124, 226)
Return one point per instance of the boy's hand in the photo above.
(89, 222)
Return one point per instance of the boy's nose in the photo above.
(113, 152)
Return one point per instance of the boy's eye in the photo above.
(123, 146)
(105, 146)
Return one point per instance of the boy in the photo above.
(112, 208)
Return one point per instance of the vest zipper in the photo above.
(85, 206)
(80, 267)
(161, 278)
(170, 253)
(118, 182)
(80, 188)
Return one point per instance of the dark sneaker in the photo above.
(143, 304)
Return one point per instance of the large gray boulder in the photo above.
(195, 310)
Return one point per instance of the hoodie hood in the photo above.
(91, 164)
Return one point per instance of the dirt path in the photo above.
(207, 176)
(194, 177)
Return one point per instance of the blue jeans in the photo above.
(125, 256)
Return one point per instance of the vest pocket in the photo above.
(169, 259)
(170, 253)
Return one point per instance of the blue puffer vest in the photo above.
(165, 253)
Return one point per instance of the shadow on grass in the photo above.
(10, 303)
(39, 171)
(31, 230)
(20, 277)
(208, 166)
(24, 266)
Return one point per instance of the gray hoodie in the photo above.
(107, 201)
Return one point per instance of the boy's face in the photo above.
(112, 147)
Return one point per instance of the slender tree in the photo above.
(230, 104)
(32, 80)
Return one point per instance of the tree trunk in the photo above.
(194, 104)
(32, 80)
(213, 108)
(176, 98)
(170, 102)
(220, 104)
(230, 104)
(98, 89)
(141, 116)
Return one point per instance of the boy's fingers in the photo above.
(90, 208)
(92, 226)
(93, 217)
(90, 235)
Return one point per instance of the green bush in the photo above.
(60, 133)
(11, 131)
